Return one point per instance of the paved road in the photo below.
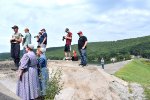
(112, 68)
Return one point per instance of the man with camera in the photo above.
(43, 38)
(38, 38)
(26, 39)
(15, 46)
(67, 48)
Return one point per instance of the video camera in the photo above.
(36, 36)
(63, 38)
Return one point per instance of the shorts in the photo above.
(67, 48)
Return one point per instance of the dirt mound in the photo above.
(80, 83)
(8, 81)
(92, 83)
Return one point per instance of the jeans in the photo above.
(43, 45)
(83, 56)
(24, 50)
(102, 66)
(43, 79)
(15, 53)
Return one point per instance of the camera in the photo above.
(39, 34)
(13, 40)
(36, 36)
(63, 38)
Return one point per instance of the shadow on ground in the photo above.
(5, 97)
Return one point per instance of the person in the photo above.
(102, 63)
(82, 43)
(26, 39)
(28, 86)
(38, 38)
(67, 48)
(15, 46)
(42, 69)
(113, 60)
(74, 57)
(43, 38)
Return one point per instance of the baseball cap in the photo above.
(43, 29)
(14, 27)
(79, 32)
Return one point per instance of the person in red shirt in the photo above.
(74, 57)
(74, 53)
(67, 48)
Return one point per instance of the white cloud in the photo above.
(98, 23)
(67, 2)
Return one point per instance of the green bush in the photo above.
(54, 86)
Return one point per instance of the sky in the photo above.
(99, 20)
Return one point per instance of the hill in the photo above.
(78, 83)
(121, 49)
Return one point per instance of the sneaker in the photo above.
(67, 59)
(84, 65)
(80, 64)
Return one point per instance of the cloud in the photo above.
(100, 20)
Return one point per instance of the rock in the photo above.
(80, 83)
(90, 83)
(66, 94)
(137, 91)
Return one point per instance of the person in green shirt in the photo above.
(26, 39)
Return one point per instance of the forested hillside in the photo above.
(121, 49)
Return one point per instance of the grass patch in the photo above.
(137, 71)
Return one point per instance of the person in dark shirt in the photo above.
(15, 46)
(67, 48)
(38, 38)
(82, 43)
(43, 38)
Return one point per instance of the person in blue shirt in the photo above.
(42, 69)
(43, 39)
